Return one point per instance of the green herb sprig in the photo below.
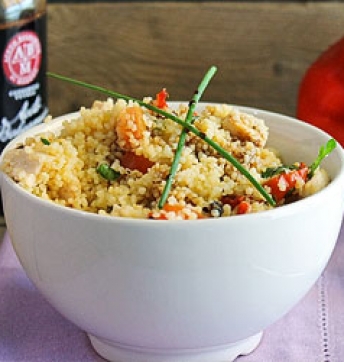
(182, 123)
(324, 151)
(189, 119)
(107, 172)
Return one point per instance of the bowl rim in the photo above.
(270, 214)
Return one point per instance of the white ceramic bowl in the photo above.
(204, 290)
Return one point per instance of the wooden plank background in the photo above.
(261, 49)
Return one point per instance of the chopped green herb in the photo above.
(324, 151)
(273, 171)
(107, 172)
(45, 141)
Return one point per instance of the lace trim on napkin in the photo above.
(324, 318)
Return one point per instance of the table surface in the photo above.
(32, 331)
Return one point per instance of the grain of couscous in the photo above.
(114, 160)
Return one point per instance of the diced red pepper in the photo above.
(237, 203)
(136, 162)
(232, 200)
(161, 99)
(284, 182)
(243, 208)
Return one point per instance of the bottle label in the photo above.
(23, 101)
(22, 58)
(29, 114)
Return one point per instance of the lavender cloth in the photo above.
(32, 331)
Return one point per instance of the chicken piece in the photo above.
(18, 161)
(246, 128)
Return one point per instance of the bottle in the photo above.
(23, 91)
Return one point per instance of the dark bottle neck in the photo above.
(17, 10)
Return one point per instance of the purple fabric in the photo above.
(32, 331)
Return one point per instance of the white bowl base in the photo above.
(116, 352)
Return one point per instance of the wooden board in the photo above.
(261, 49)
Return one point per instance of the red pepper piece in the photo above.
(136, 162)
(321, 92)
(161, 98)
(237, 202)
(281, 184)
(232, 200)
(243, 208)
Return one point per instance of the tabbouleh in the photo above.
(137, 147)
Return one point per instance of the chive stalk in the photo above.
(179, 121)
(188, 119)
